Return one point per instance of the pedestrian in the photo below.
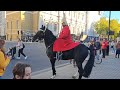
(22, 71)
(98, 48)
(21, 47)
(117, 49)
(113, 46)
(4, 59)
(107, 47)
(92, 47)
(12, 51)
(104, 47)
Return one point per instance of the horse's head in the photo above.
(40, 34)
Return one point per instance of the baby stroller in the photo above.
(11, 52)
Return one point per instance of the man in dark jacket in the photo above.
(98, 48)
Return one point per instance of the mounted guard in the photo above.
(64, 41)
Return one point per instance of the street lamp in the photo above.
(109, 24)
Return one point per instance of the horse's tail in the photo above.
(89, 65)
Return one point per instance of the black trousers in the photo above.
(103, 52)
(20, 51)
(117, 53)
(107, 51)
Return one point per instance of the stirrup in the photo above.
(59, 56)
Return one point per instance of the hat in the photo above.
(64, 19)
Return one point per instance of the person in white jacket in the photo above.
(113, 46)
(20, 47)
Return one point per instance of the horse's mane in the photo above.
(49, 37)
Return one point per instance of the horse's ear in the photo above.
(44, 27)
(41, 27)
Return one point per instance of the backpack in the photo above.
(98, 46)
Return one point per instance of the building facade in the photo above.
(19, 22)
(75, 19)
(2, 23)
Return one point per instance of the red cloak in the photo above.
(64, 42)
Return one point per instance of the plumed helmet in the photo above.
(64, 20)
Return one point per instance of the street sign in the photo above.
(110, 32)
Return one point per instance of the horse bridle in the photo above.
(43, 31)
(44, 35)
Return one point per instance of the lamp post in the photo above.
(109, 25)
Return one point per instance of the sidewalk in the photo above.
(108, 69)
(16, 41)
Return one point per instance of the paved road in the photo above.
(108, 69)
(36, 58)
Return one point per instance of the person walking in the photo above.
(117, 49)
(104, 47)
(113, 46)
(107, 47)
(98, 48)
(21, 47)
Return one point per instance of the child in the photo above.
(11, 52)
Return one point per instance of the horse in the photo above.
(79, 53)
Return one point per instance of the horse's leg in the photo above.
(75, 75)
(70, 61)
(53, 67)
(74, 63)
(80, 68)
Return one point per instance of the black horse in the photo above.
(78, 53)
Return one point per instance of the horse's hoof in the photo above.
(53, 77)
(74, 77)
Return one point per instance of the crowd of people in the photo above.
(103, 47)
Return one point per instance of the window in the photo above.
(74, 13)
(17, 23)
(11, 24)
(82, 17)
(98, 12)
(69, 13)
(55, 27)
(73, 30)
(78, 15)
(7, 25)
(69, 24)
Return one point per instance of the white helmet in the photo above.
(64, 19)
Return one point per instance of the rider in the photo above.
(64, 41)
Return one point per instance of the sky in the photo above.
(114, 15)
